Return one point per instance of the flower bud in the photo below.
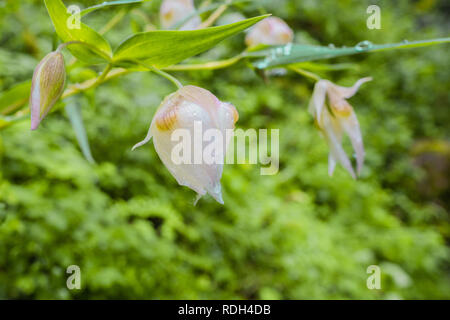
(175, 11)
(47, 86)
(193, 116)
(270, 31)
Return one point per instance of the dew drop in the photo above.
(364, 45)
(279, 51)
(287, 49)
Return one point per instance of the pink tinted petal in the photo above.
(270, 31)
(317, 102)
(203, 98)
(346, 92)
(333, 136)
(351, 126)
(174, 11)
(147, 139)
(331, 164)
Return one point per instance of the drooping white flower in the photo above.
(179, 116)
(47, 86)
(270, 31)
(176, 11)
(334, 117)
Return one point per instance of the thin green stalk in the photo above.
(103, 75)
(215, 15)
(91, 83)
(114, 20)
(169, 77)
(211, 65)
(305, 73)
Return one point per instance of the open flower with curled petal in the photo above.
(270, 31)
(176, 11)
(47, 86)
(190, 131)
(334, 116)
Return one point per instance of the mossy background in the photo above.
(296, 235)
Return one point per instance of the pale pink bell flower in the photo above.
(180, 113)
(175, 11)
(270, 31)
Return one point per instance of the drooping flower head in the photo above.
(178, 118)
(47, 86)
(334, 116)
(270, 31)
(175, 11)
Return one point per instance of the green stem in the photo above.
(88, 84)
(161, 73)
(115, 20)
(211, 65)
(103, 75)
(168, 77)
(305, 73)
(215, 15)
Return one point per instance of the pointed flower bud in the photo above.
(175, 11)
(195, 117)
(47, 86)
(334, 117)
(270, 31)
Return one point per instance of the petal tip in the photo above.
(140, 144)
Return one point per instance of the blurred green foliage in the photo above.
(296, 235)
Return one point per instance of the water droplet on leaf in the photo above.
(364, 45)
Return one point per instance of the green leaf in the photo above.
(6, 121)
(73, 110)
(165, 48)
(314, 66)
(15, 97)
(108, 4)
(101, 50)
(289, 54)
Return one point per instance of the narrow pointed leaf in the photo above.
(108, 4)
(15, 97)
(290, 54)
(165, 48)
(73, 110)
(68, 30)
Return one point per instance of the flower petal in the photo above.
(347, 93)
(317, 101)
(331, 164)
(351, 126)
(333, 135)
(175, 11)
(270, 31)
(147, 139)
